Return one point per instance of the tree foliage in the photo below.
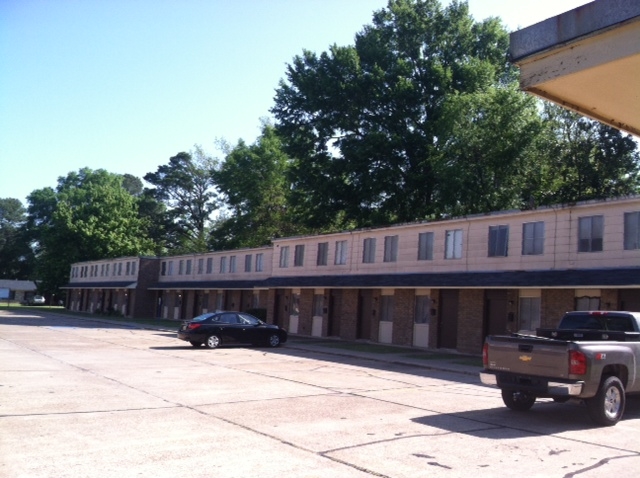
(362, 121)
(253, 182)
(186, 187)
(89, 216)
(15, 254)
(589, 159)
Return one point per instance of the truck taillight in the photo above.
(485, 355)
(577, 363)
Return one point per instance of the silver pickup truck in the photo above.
(591, 356)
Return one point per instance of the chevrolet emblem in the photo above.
(525, 358)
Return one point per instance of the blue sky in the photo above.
(123, 85)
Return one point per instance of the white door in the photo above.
(316, 326)
(421, 335)
(386, 332)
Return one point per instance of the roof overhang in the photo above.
(586, 60)
(101, 285)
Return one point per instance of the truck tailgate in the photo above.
(528, 355)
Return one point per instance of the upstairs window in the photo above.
(232, 264)
(223, 265)
(453, 244)
(631, 230)
(341, 253)
(323, 253)
(259, 262)
(200, 266)
(590, 233)
(532, 238)
(247, 262)
(298, 259)
(425, 246)
(369, 251)
(284, 257)
(209, 265)
(391, 249)
(188, 271)
(498, 241)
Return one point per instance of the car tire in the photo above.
(518, 400)
(274, 340)
(212, 342)
(607, 406)
(196, 344)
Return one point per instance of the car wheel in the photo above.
(518, 400)
(212, 342)
(196, 344)
(274, 340)
(607, 406)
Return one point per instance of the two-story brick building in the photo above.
(444, 284)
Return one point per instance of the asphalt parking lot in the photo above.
(96, 399)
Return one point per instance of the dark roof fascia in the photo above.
(199, 285)
(502, 279)
(101, 285)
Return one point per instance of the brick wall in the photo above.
(346, 307)
(403, 314)
(305, 317)
(470, 320)
(553, 304)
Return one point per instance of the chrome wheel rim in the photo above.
(274, 340)
(612, 402)
(213, 341)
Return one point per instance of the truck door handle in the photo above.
(525, 348)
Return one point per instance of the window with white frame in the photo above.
(259, 262)
(247, 262)
(386, 308)
(425, 246)
(587, 303)
(341, 253)
(298, 256)
(181, 267)
(223, 265)
(529, 313)
(590, 233)
(284, 257)
(188, 270)
(127, 269)
(133, 268)
(391, 249)
(209, 265)
(498, 241)
(533, 238)
(119, 268)
(232, 264)
(200, 266)
(106, 270)
(631, 230)
(318, 305)
(423, 309)
(369, 250)
(453, 244)
(323, 253)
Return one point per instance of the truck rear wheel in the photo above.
(518, 400)
(607, 406)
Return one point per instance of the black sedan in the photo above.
(217, 328)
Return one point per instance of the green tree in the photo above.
(186, 186)
(589, 159)
(15, 253)
(489, 152)
(89, 216)
(254, 185)
(362, 121)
